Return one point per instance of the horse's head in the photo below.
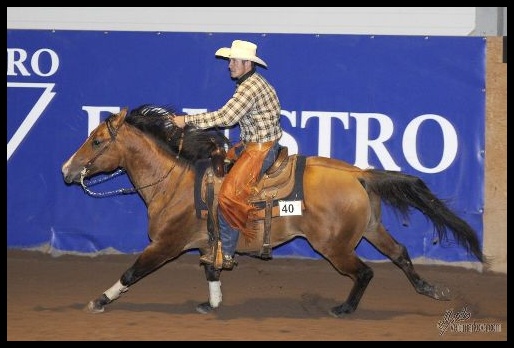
(97, 153)
(101, 152)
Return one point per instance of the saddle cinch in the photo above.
(282, 182)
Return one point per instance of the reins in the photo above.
(122, 191)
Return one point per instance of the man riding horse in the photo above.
(256, 108)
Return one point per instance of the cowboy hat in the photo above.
(241, 50)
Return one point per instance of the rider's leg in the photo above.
(270, 158)
(229, 237)
(228, 234)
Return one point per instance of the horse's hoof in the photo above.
(204, 308)
(94, 307)
(341, 311)
(442, 293)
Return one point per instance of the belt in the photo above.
(258, 146)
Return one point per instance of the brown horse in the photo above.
(342, 205)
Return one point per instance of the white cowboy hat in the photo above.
(241, 50)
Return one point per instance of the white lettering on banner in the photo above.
(362, 139)
(190, 111)
(363, 142)
(386, 126)
(16, 58)
(16, 64)
(450, 142)
(34, 114)
(325, 122)
(287, 139)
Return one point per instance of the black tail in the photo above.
(402, 191)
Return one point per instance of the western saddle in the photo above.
(282, 181)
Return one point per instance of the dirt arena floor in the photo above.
(278, 300)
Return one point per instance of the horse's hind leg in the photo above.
(215, 296)
(152, 258)
(399, 255)
(361, 275)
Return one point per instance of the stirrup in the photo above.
(207, 259)
(227, 263)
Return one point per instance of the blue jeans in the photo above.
(229, 235)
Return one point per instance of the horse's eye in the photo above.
(96, 143)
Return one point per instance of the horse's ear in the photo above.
(120, 118)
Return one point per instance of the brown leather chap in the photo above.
(239, 183)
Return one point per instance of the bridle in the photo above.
(113, 132)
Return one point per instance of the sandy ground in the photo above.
(279, 300)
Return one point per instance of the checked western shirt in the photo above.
(254, 105)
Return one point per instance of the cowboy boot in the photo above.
(227, 263)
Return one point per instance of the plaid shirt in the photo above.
(254, 105)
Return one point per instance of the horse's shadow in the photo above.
(309, 306)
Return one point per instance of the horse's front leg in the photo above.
(98, 305)
(151, 259)
(215, 296)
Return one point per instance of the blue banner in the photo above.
(410, 103)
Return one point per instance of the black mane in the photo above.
(189, 143)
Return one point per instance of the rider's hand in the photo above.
(179, 121)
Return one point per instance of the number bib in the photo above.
(288, 208)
